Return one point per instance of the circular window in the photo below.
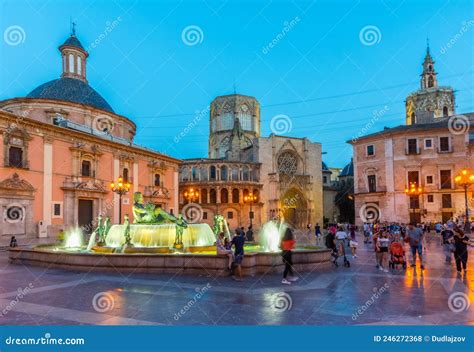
(14, 214)
(287, 163)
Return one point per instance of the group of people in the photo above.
(384, 235)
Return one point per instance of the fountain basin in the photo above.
(162, 235)
(154, 263)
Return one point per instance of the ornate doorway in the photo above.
(294, 208)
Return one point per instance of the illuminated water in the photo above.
(160, 235)
(92, 241)
(73, 238)
(270, 236)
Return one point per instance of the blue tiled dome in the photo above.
(73, 41)
(348, 170)
(73, 90)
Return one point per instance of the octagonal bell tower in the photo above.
(234, 126)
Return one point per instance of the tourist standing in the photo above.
(238, 243)
(382, 248)
(461, 241)
(331, 244)
(287, 245)
(353, 242)
(415, 239)
(13, 242)
(447, 238)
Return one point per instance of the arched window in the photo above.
(204, 196)
(212, 196)
(195, 173)
(235, 174)
(212, 172)
(256, 194)
(125, 174)
(227, 121)
(245, 193)
(246, 173)
(157, 180)
(430, 82)
(235, 195)
(224, 195)
(430, 68)
(445, 111)
(224, 175)
(185, 174)
(79, 66)
(71, 63)
(86, 168)
(413, 118)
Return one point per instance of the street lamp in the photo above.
(250, 198)
(413, 190)
(465, 179)
(120, 188)
(191, 195)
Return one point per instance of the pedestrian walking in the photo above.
(461, 241)
(448, 246)
(287, 245)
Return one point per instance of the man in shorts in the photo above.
(238, 243)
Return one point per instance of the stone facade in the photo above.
(283, 174)
(427, 153)
(59, 154)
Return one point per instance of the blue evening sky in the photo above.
(319, 72)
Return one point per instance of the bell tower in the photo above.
(428, 76)
(431, 102)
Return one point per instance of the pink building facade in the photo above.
(61, 146)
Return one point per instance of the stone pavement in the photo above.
(356, 295)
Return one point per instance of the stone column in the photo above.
(116, 174)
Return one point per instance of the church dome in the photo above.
(70, 89)
(348, 170)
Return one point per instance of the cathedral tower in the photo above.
(234, 125)
(431, 102)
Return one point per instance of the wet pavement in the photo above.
(360, 294)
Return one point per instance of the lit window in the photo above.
(79, 66)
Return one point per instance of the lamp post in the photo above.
(413, 190)
(465, 179)
(191, 195)
(120, 188)
(250, 198)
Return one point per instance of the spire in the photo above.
(428, 76)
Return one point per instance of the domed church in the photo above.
(62, 145)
